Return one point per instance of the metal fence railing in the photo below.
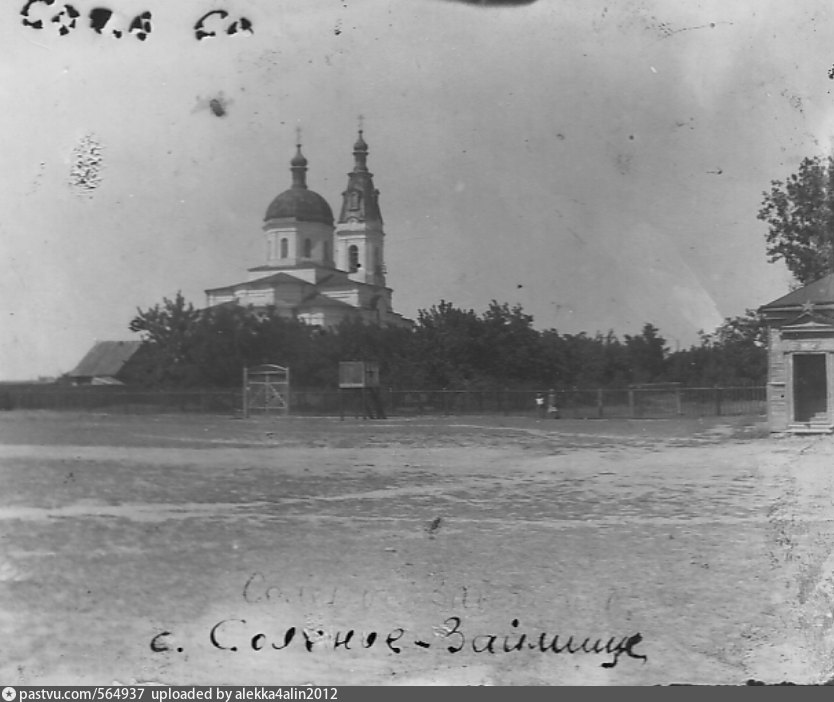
(634, 403)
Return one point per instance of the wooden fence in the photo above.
(580, 404)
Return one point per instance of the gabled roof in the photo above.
(106, 358)
(295, 266)
(265, 282)
(276, 279)
(340, 281)
(809, 321)
(818, 293)
(319, 300)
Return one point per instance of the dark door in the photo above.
(810, 388)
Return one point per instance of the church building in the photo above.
(315, 271)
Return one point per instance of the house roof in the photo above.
(106, 358)
(817, 293)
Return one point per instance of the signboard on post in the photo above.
(361, 379)
(358, 374)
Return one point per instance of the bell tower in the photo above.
(359, 238)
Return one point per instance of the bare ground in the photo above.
(124, 534)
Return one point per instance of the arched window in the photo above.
(285, 247)
(354, 200)
(353, 258)
(308, 248)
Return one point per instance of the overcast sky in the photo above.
(600, 163)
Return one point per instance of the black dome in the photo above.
(302, 205)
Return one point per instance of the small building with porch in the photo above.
(800, 387)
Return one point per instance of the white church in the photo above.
(316, 272)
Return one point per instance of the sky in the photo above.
(599, 163)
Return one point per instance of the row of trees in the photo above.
(456, 348)
(449, 347)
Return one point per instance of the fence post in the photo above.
(678, 401)
(631, 403)
(718, 398)
(599, 404)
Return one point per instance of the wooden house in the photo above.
(107, 363)
(800, 389)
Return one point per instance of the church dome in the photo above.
(300, 204)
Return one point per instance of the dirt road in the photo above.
(212, 551)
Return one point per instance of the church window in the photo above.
(308, 248)
(354, 200)
(353, 258)
(285, 246)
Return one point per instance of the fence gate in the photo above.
(266, 389)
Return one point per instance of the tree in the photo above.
(800, 214)
(512, 349)
(734, 354)
(646, 354)
(168, 332)
(739, 347)
(448, 345)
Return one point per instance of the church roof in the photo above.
(817, 293)
(298, 202)
(340, 280)
(319, 300)
(306, 265)
(266, 281)
(302, 205)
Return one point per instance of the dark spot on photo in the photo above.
(217, 107)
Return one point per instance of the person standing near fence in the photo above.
(540, 408)
(552, 409)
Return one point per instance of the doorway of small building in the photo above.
(810, 388)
